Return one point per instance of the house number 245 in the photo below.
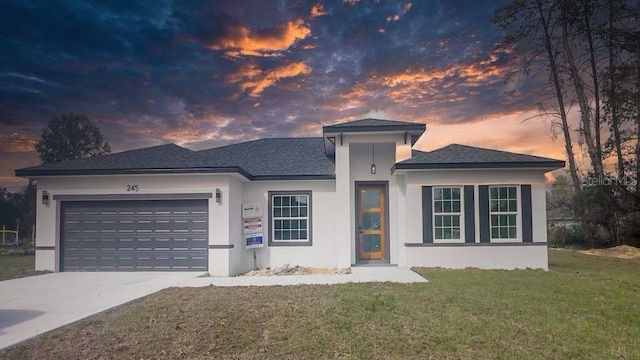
(133, 188)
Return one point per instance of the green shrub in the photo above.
(566, 236)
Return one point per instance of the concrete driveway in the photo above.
(37, 304)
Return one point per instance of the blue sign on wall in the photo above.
(253, 241)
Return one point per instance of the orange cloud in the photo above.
(352, 104)
(15, 142)
(418, 87)
(254, 81)
(405, 9)
(317, 10)
(245, 71)
(241, 40)
(191, 130)
(472, 74)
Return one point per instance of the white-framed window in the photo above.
(503, 212)
(447, 214)
(290, 218)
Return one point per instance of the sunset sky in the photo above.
(204, 74)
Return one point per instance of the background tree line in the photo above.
(588, 53)
(18, 208)
(67, 136)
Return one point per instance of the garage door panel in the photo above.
(199, 243)
(199, 225)
(134, 235)
(168, 224)
(135, 243)
(169, 229)
(127, 261)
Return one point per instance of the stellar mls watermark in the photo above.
(606, 181)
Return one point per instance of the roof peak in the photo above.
(373, 122)
(259, 140)
(470, 147)
(458, 156)
(376, 125)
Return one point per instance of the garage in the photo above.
(134, 235)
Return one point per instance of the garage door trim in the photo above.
(99, 197)
(133, 254)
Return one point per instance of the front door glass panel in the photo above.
(371, 222)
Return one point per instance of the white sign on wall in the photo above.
(252, 223)
(251, 210)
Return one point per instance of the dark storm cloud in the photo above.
(208, 73)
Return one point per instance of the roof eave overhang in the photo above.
(396, 128)
(294, 177)
(219, 170)
(543, 166)
(330, 146)
(30, 173)
(334, 135)
(410, 135)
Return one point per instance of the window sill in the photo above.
(284, 243)
(448, 241)
(505, 241)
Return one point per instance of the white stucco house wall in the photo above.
(357, 195)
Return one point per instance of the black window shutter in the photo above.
(469, 215)
(427, 218)
(527, 221)
(483, 202)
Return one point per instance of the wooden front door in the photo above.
(371, 222)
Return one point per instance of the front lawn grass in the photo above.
(17, 266)
(585, 307)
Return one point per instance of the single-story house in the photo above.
(356, 195)
(562, 217)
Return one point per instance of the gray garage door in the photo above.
(141, 235)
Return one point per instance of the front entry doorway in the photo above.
(371, 222)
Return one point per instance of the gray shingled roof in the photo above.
(274, 158)
(374, 125)
(277, 158)
(259, 159)
(157, 157)
(457, 156)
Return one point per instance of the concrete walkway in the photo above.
(358, 274)
(37, 304)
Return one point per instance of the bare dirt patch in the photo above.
(295, 270)
(622, 251)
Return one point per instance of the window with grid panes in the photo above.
(447, 213)
(503, 208)
(290, 218)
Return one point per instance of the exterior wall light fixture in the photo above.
(218, 195)
(373, 159)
